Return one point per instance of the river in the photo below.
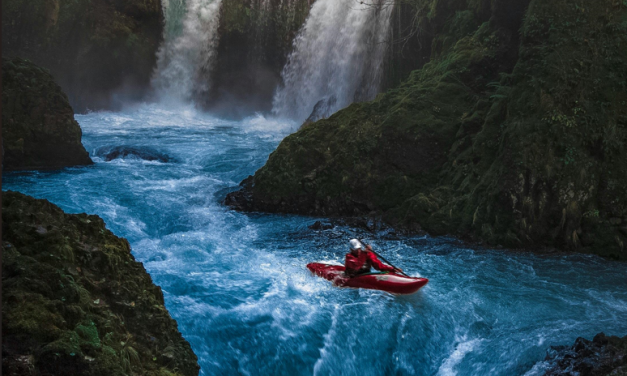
(237, 283)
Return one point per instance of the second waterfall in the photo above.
(337, 58)
(186, 57)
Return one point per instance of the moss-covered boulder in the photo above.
(38, 126)
(75, 301)
(255, 39)
(94, 48)
(513, 133)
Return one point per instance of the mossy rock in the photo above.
(38, 126)
(92, 310)
(517, 125)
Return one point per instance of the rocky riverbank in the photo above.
(603, 356)
(38, 127)
(512, 134)
(75, 301)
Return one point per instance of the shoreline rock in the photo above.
(603, 356)
(76, 302)
(38, 127)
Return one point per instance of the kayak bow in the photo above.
(390, 282)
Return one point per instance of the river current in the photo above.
(237, 283)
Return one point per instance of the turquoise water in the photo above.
(237, 283)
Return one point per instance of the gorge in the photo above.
(498, 122)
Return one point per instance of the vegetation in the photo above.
(92, 47)
(38, 126)
(513, 133)
(75, 301)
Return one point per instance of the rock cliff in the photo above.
(255, 39)
(75, 301)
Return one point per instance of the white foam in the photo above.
(462, 348)
(271, 125)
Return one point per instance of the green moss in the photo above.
(67, 344)
(503, 137)
(29, 95)
(96, 313)
(33, 315)
(88, 334)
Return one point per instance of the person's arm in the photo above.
(377, 264)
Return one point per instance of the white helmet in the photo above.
(355, 244)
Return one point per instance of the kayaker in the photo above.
(360, 260)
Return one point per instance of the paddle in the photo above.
(384, 260)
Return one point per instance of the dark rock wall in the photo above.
(513, 133)
(101, 52)
(254, 42)
(38, 126)
(75, 301)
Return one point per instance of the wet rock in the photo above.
(373, 224)
(38, 127)
(22, 365)
(319, 225)
(322, 110)
(241, 199)
(600, 357)
(141, 152)
(76, 302)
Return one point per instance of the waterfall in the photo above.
(185, 59)
(337, 57)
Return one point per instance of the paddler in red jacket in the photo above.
(360, 260)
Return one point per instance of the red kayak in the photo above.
(390, 282)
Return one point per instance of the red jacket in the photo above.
(362, 263)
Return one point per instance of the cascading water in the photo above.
(337, 57)
(188, 52)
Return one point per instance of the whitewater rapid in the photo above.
(237, 283)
